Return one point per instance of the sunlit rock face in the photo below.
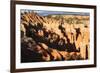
(54, 37)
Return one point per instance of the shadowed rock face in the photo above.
(51, 39)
